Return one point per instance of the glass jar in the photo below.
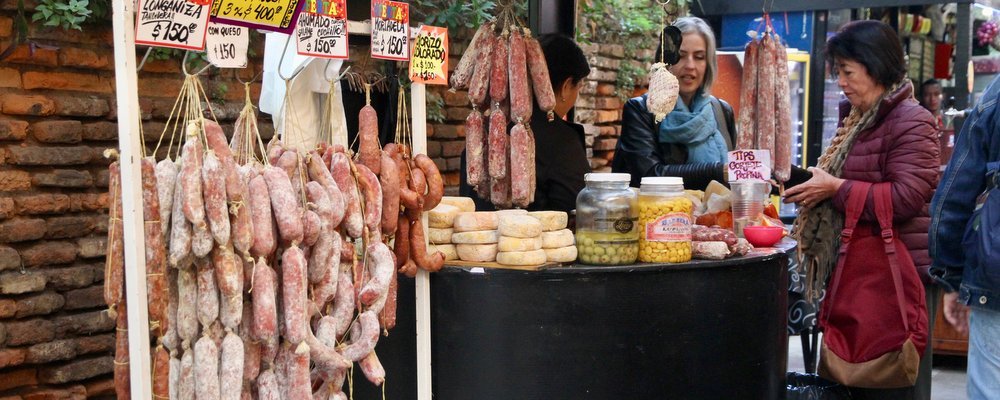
(665, 219)
(606, 215)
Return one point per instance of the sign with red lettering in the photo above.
(179, 24)
(429, 60)
(749, 165)
(323, 35)
(390, 30)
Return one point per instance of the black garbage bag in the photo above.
(812, 387)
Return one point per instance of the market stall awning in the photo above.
(722, 7)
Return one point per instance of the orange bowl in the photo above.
(763, 236)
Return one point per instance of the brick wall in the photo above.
(57, 115)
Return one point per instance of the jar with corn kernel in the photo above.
(665, 219)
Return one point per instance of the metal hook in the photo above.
(252, 80)
(282, 62)
(185, 68)
(143, 62)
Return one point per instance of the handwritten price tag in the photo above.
(749, 165)
(330, 8)
(321, 36)
(271, 15)
(429, 60)
(227, 45)
(171, 23)
(390, 30)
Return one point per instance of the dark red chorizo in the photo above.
(369, 149)
(474, 148)
(466, 66)
(156, 246)
(372, 191)
(498, 74)
(747, 129)
(480, 82)
(539, 72)
(520, 92)
(499, 145)
(418, 249)
(521, 165)
(435, 184)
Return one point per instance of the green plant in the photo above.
(65, 14)
(435, 107)
(461, 14)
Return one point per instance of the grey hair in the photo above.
(698, 25)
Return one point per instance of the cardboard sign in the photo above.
(171, 23)
(330, 8)
(429, 60)
(390, 30)
(226, 45)
(271, 15)
(749, 165)
(321, 36)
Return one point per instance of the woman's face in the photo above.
(690, 70)
(860, 88)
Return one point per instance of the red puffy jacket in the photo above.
(902, 148)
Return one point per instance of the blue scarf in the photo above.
(695, 127)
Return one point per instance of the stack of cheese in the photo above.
(520, 241)
(442, 220)
(475, 236)
(557, 241)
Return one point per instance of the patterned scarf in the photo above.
(817, 229)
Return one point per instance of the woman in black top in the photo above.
(560, 149)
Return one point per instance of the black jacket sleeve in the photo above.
(639, 154)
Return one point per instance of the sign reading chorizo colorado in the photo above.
(390, 30)
(429, 61)
(171, 23)
(323, 34)
(749, 165)
(271, 15)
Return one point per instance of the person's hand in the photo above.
(956, 313)
(820, 187)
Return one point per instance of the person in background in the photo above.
(930, 97)
(972, 284)
(884, 136)
(560, 146)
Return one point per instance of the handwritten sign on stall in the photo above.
(429, 59)
(272, 15)
(749, 165)
(330, 8)
(226, 45)
(171, 23)
(390, 30)
(322, 35)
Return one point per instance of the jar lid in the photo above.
(607, 177)
(662, 180)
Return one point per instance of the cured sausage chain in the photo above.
(765, 120)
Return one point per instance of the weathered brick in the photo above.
(82, 58)
(35, 156)
(6, 207)
(430, 130)
(100, 388)
(162, 87)
(66, 81)
(6, 26)
(88, 202)
(48, 253)
(589, 88)
(159, 66)
(58, 132)
(31, 331)
(8, 308)
(10, 78)
(18, 283)
(81, 106)
(606, 116)
(440, 163)
(27, 54)
(12, 357)
(16, 104)
(42, 204)
(452, 149)
(18, 378)
(101, 226)
(606, 89)
(13, 130)
(605, 144)
(83, 324)
(456, 114)
(91, 247)
(585, 102)
(608, 131)
(445, 131)
(9, 258)
(433, 148)
(612, 50)
(75, 392)
(585, 116)
(58, 350)
(90, 297)
(22, 230)
(64, 178)
(101, 131)
(77, 370)
(39, 304)
(590, 48)
(13, 180)
(608, 103)
(94, 344)
(451, 178)
(101, 181)
(75, 277)
(459, 99)
(596, 163)
(453, 164)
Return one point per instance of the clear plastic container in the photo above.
(748, 200)
(665, 219)
(606, 215)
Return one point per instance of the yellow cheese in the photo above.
(519, 226)
(449, 251)
(513, 211)
(477, 252)
(464, 204)
(475, 237)
(534, 257)
(475, 221)
(551, 220)
(557, 239)
(442, 216)
(439, 235)
(518, 244)
(714, 187)
(562, 254)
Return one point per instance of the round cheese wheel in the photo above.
(557, 239)
(562, 254)
(551, 220)
(534, 257)
(476, 237)
(519, 244)
(439, 235)
(442, 216)
(464, 204)
(513, 211)
(449, 251)
(519, 226)
(475, 221)
(477, 252)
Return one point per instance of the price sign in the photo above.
(330, 8)
(271, 15)
(390, 30)
(429, 60)
(226, 45)
(749, 165)
(171, 23)
(321, 36)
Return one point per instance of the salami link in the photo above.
(705, 234)
(380, 266)
(369, 149)
(206, 369)
(215, 198)
(401, 244)
(156, 246)
(521, 165)
(539, 72)
(170, 338)
(498, 74)
(293, 294)
(231, 368)
(343, 304)
(480, 82)
(121, 368)
(267, 386)
(114, 267)
(312, 226)
(499, 144)
(180, 231)
(251, 348)
(187, 305)
(326, 288)
(747, 130)
(287, 211)
(474, 148)
(324, 356)
(418, 249)
(242, 219)
(340, 168)
(320, 256)
(783, 115)
(264, 242)
(765, 102)
(161, 373)
(228, 272)
(217, 143)
(175, 376)
(390, 184)
(320, 199)
(274, 151)
(201, 241)
(387, 317)
(166, 180)
(520, 93)
(297, 373)
(500, 194)
(289, 162)
(466, 66)
(185, 383)
(372, 368)
(372, 191)
(435, 184)
(208, 294)
(319, 173)
(190, 176)
(269, 351)
(231, 311)
(364, 342)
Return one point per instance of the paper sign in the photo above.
(321, 36)
(226, 45)
(171, 23)
(749, 165)
(330, 8)
(271, 15)
(429, 60)
(390, 30)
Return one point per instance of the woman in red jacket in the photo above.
(884, 136)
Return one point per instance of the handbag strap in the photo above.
(883, 211)
(856, 200)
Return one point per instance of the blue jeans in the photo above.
(984, 355)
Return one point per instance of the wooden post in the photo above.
(418, 102)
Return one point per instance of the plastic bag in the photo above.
(812, 387)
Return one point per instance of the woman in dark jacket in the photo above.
(560, 148)
(884, 136)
